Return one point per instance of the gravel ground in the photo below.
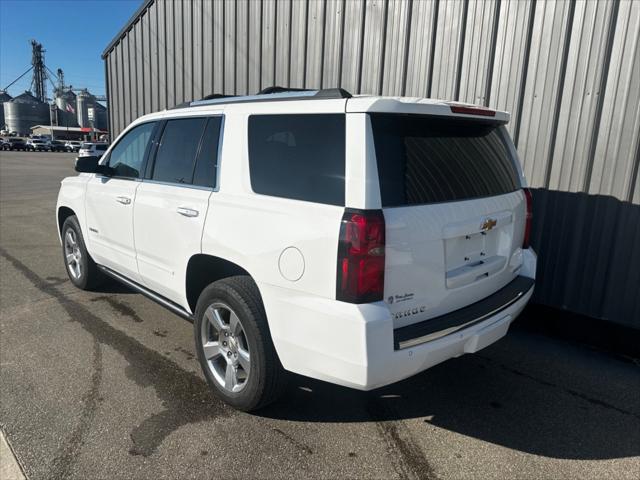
(105, 385)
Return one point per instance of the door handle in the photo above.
(123, 200)
(188, 212)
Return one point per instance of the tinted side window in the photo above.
(205, 172)
(127, 156)
(177, 150)
(298, 156)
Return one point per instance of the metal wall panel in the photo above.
(477, 50)
(542, 92)
(396, 36)
(230, 50)
(373, 46)
(511, 58)
(155, 85)
(146, 63)
(315, 43)
(617, 154)
(126, 81)
(139, 60)
(297, 61)
(282, 42)
(420, 48)
(449, 38)
(580, 96)
(587, 270)
(179, 54)
(207, 45)
(567, 70)
(333, 40)
(218, 25)
(188, 47)
(352, 45)
(163, 85)
(255, 46)
(242, 45)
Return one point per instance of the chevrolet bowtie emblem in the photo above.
(488, 224)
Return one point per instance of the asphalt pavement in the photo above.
(105, 385)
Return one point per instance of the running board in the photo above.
(168, 304)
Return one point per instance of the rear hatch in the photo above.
(454, 211)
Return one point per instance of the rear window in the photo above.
(433, 159)
(298, 156)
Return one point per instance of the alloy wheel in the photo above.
(72, 254)
(225, 347)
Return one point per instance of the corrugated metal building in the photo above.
(568, 71)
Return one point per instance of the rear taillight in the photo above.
(528, 218)
(360, 275)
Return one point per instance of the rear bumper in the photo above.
(353, 345)
(434, 328)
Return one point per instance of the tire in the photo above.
(82, 270)
(266, 379)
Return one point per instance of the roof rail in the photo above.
(323, 93)
(277, 89)
(270, 94)
(211, 96)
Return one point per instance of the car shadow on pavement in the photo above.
(111, 286)
(495, 398)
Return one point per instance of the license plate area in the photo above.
(474, 252)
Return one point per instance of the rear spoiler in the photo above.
(424, 106)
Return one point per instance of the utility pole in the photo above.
(38, 85)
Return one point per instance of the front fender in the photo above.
(71, 195)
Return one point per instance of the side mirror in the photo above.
(91, 165)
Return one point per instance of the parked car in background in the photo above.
(45, 138)
(4, 145)
(18, 143)
(57, 146)
(393, 233)
(92, 149)
(37, 145)
(72, 145)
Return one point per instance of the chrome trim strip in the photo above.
(175, 184)
(168, 304)
(443, 333)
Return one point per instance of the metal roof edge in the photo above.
(134, 18)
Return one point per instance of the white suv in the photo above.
(356, 240)
(92, 149)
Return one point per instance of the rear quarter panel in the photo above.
(254, 230)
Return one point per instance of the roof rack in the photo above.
(277, 89)
(270, 94)
(212, 96)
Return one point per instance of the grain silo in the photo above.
(4, 97)
(67, 108)
(24, 111)
(85, 101)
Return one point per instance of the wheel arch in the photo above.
(63, 213)
(204, 269)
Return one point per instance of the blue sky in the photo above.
(73, 32)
